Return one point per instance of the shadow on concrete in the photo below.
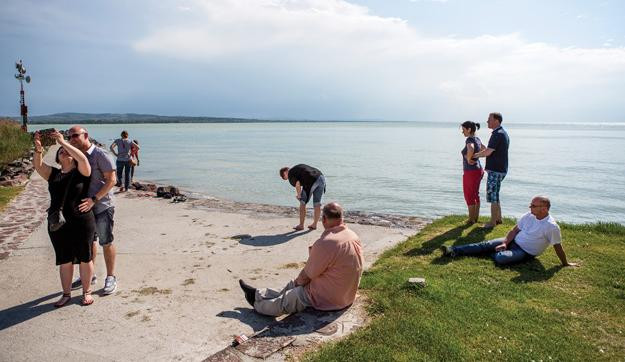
(270, 240)
(275, 335)
(29, 310)
(249, 317)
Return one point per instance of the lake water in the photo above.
(406, 168)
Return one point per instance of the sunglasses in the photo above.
(76, 135)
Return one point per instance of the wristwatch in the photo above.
(94, 199)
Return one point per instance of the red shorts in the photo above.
(471, 186)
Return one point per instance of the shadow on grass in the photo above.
(532, 271)
(476, 235)
(434, 243)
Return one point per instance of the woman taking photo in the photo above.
(72, 239)
(473, 171)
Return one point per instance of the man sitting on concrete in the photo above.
(328, 281)
(529, 238)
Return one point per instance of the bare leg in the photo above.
(302, 216)
(66, 272)
(86, 271)
(316, 215)
(109, 259)
(477, 212)
(471, 219)
(498, 219)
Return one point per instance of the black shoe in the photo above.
(447, 251)
(250, 292)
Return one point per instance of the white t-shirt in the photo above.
(536, 235)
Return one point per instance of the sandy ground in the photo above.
(178, 296)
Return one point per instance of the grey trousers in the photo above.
(289, 300)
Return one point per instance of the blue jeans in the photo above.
(123, 167)
(512, 254)
(317, 190)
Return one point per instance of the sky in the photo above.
(403, 60)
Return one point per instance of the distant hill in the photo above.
(113, 118)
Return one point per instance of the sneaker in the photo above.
(110, 285)
(447, 251)
(249, 291)
(77, 283)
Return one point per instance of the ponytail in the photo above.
(471, 126)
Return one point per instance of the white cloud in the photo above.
(386, 67)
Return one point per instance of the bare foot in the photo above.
(488, 226)
(312, 227)
(65, 298)
(298, 227)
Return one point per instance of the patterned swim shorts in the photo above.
(493, 184)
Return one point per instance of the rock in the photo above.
(420, 282)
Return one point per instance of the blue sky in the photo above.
(534, 61)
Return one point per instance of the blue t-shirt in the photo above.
(499, 142)
(477, 145)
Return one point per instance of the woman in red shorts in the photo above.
(473, 171)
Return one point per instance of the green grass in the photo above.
(14, 143)
(7, 194)
(474, 310)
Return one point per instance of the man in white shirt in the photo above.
(529, 238)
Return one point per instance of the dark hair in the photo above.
(57, 159)
(497, 116)
(135, 141)
(472, 126)
(124, 134)
(283, 170)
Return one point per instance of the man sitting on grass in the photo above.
(328, 281)
(529, 238)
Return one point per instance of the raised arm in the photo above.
(42, 169)
(83, 164)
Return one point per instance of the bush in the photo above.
(14, 143)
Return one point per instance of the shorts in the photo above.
(317, 190)
(471, 180)
(493, 184)
(104, 226)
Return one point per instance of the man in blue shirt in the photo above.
(496, 165)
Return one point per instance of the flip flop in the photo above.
(84, 300)
(64, 300)
(312, 228)
(298, 228)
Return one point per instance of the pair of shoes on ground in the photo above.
(249, 291)
(110, 284)
(87, 299)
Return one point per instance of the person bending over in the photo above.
(529, 238)
(329, 280)
(308, 181)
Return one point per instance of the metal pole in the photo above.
(23, 108)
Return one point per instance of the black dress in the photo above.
(72, 242)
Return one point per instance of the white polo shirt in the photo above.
(536, 235)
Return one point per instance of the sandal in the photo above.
(65, 298)
(86, 302)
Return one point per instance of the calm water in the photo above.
(403, 168)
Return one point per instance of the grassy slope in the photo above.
(473, 310)
(13, 142)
